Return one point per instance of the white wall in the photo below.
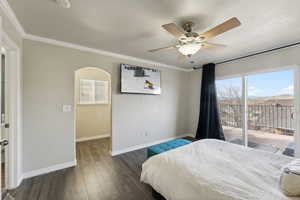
(10, 29)
(268, 62)
(49, 83)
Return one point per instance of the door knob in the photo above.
(3, 143)
(6, 125)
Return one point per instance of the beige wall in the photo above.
(136, 119)
(92, 120)
(195, 78)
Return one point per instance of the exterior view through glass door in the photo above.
(269, 111)
(229, 93)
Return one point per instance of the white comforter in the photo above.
(215, 170)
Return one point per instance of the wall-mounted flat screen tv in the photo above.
(140, 80)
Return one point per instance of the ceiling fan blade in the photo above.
(173, 29)
(162, 48)
(226, 26)
(209, 45)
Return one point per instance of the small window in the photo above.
(93, 92)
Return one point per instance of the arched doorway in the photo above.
(92, 105)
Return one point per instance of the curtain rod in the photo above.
(254, 54)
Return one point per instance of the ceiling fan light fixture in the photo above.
(189, 49)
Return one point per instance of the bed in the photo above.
(216, 170)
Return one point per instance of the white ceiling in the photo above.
(131, 27)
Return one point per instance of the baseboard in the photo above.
(92, 138)
(47, 170)
(15, 184)
(142, 146)
(74, 163)
(20, 179)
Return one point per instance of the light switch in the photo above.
(67, 108)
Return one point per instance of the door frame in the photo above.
(14, 94)
(296, 69)
(75, 105)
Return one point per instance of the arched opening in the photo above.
(93, 106)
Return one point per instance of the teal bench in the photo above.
(163, 147)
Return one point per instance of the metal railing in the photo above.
(270, 118)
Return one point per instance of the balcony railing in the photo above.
(270, 118)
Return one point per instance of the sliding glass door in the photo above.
(229, 92)
(271, 111)
(258, 111)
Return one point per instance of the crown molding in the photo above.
(12, 17)
(15, 22)
(99, 51)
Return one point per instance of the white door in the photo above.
(3, 120)
(4, 126)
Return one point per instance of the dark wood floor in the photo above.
(96, 176)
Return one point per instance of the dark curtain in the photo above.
(209, 125)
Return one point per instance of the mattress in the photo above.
(216, 170)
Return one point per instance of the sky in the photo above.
(263, 85)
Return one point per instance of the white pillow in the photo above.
(290, 179)
(294, 166)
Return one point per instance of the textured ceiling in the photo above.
(131, 27)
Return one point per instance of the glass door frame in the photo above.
(244, 84)
(245, 110)
(297, 109)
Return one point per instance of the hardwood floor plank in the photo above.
(97, 176)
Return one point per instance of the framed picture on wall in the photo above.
(140, 80)
(93, 92)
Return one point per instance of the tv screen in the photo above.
(139, 80)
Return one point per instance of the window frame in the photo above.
(93, 92)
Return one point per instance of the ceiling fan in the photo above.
(189, 42)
